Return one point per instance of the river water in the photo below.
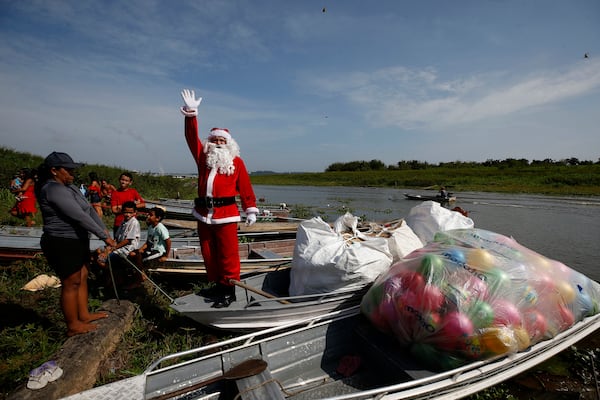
(563, 228)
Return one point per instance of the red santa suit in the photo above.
(216, 210)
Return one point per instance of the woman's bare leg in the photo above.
(83, 312)
(69, 302)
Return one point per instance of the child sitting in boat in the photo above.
(127, 237)
(158, 242)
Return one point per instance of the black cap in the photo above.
(56, 159)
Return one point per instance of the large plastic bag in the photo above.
(429, 217)
(327, 259)
(473, 294)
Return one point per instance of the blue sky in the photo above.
(300, 88)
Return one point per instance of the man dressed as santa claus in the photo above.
(221, 176)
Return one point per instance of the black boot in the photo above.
(212, 292)
(227, 297)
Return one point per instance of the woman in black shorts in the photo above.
(68, 221)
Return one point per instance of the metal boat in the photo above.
(335, 356)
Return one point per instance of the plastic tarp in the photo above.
(471, 294)
(332, 258)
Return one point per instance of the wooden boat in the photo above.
(254, 257)
(439, 199)
(262, 230)
(182, 210)
(263, 301)
(336, 356)
(24, 242)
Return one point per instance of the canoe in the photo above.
(439, 199)
(334, 356)
(263, 301)
(254, 257)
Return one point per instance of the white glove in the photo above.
(250, 219)
(190, 109)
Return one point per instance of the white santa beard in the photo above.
(219, 157)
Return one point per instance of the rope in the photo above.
(124, 256)
(112, 277)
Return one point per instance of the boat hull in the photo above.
(252, 310)
(309, 360)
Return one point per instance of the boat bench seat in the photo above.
(263, 253)
(259, 387)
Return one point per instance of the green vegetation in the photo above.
(552, 179)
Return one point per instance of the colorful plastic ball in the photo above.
(456, 328)
(535, 324)
(473, 349)
(530, 296)
(476, 288)
(432, 298)
(481, 313)
(499, 340)
(432, 268)
(455, 255)
(543, 283)
(506, 313)
(566, 316)
(426, 326)
(566, 292)
(522, 336)
(540, 262)
(481, 259)
(497, 280)
(405, 281)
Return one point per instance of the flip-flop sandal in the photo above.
(38, 378)
(53, 370)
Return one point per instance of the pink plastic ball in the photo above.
(536, 325)
(566, 316)
(456, 328)
(506, 313)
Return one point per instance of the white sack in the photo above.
(430, 217)
(324, 260)
(401, 238)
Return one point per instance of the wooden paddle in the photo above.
(242, 370)
(257, 291)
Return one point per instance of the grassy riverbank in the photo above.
(576, 180)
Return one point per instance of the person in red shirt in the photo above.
(222, 176)
(121, 195)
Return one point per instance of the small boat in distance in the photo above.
(450, 199)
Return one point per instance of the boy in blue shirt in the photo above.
(158, 242)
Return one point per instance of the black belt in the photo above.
(210, 202)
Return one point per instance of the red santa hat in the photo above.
(219, 132)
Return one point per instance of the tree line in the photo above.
(378, 165)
